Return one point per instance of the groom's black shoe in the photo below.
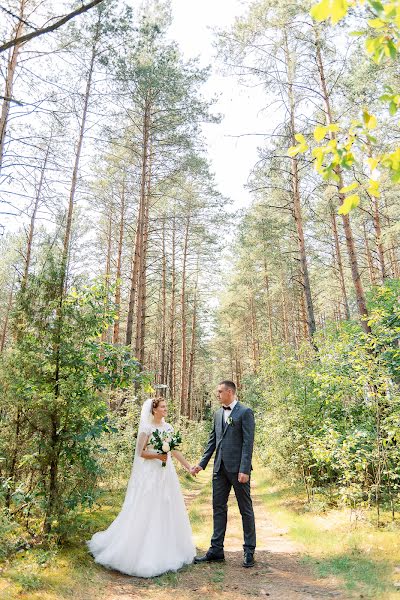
(209, 557)
(248, 560)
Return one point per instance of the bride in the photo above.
(152, 533)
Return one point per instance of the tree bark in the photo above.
(192, 352)
(7, 315)
(29, 36)
(370, 261)
(104, 333)
(351, 248)
(117, 297)
(339, 263)
(143, 234)
(184, 384)
(171, 360)
(163, 362)
(268, 299)
(33, 218)
(297, 213)
(55, 436)
(9, 79)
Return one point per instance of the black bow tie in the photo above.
(226, 407)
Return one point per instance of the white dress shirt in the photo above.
(227, 413)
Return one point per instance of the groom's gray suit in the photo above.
(233, 446)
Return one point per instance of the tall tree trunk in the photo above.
(117, 297)
(378, 238)
(370, 261)
(7, 315)
(303, 316)
(297, 213)
(253, 330)
(284, 314)
(351, 248)
(9, 79)
(171, 360)
(104, 333)
(133, 286)
(14, 456)
(376, 219)
(269, 307)
(339, 262)
(192, 352)
(163, 362)
(143, 234)
(184, 384)
(55, 424)
(238, 369)
(33, 217)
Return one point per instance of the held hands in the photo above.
(195, 470)
(162, 457)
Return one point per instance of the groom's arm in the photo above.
(248, 427)
(208, 452)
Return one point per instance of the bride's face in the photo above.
(160, 411)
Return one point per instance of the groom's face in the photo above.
(225, 394)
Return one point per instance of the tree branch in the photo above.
(53, 27)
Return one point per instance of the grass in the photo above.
(359, 556)
(44, 573)
(57, 573)
(356, 553)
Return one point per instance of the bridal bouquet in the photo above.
(165, 441)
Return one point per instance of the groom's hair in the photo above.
(229, 384)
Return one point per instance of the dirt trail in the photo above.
(279, 573)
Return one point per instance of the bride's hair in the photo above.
(156, 402)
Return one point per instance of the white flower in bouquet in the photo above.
(165, 442)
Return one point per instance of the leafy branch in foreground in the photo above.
(346, 146)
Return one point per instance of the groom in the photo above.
(232, 439)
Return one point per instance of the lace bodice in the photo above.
(152, 427)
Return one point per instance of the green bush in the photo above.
(331, 418)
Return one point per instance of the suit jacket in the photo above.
(232, 443)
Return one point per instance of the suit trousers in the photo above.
(222, 485)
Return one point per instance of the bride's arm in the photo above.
(179, 456)
(143, 440)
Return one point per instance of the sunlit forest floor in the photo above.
(301, 554)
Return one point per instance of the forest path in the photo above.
(279, 572)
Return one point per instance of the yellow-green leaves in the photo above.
(391, 161)
(373, 189)
(376, 23)
(301, 147)
(334, 10)
(393, 99)
(349, 188)
(351, 201)
(370, 121)
(384, 38)
(321, 130)
(382, 42)
(348, 204)
(373, 163)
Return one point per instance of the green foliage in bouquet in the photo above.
(165, 441)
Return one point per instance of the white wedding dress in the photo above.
(152, 533)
